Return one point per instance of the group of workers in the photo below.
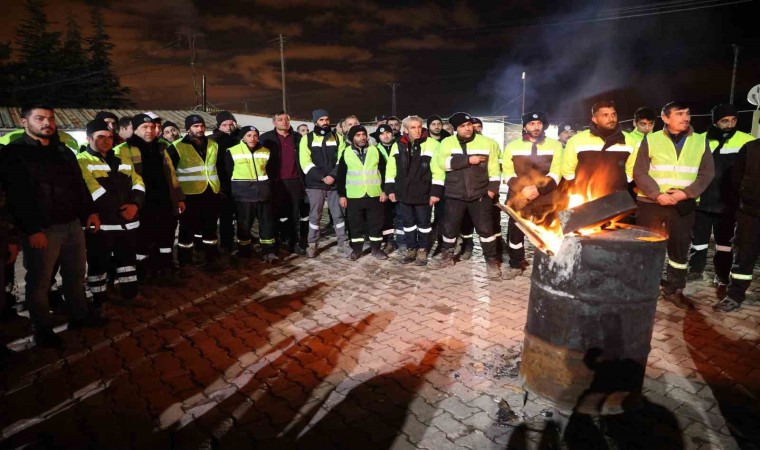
(110, 211)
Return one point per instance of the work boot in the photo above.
(343, 248)
(311, 250)
(270, 258)
(466, 253)
(721, 286)
(165, 278)
(694, 276)
(410, 257)
(355, 254)
(46, 338)
(422, 257)
(727, 305)
(492, 268)
(378, 253)
(444, 259)
(679, 300)
(390, 247)
(513, 272)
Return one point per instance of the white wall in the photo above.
(264, 124)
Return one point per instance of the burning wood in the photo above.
(581, 217)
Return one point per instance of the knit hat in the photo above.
(459, 118)
(223, 116)
(723, 110)
(102, 115)
(168, 124)
(533, 116)
(246, 129)
(318, 114)
(96, 125)
(384, 129)
(432, 119)
(475, 120)
(192, 119)
(355, 129)
(140, 119)
(565, 126)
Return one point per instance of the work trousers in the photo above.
(482, 218)
(155, 239)
(365, 217)
(393, 227)
(291, 211)
(415, 219)
(227, 214)
(66, 245)
(247, 212)
(516, 242)
(720, 225)
(746, 252)
(317, 199)
(105, 248)
(200, 216)
(667, 220)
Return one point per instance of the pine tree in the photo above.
(105, 89)
(74, 68)
(39, 56)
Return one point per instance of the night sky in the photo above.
(446, 55)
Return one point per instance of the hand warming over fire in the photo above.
(529, 192)
(666, 200)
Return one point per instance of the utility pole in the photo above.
(393, 86)
(733, 76)
(523, 96)
(204, 108)
(282, 69)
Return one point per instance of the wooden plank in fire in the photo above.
(597, 212)
(522, 224)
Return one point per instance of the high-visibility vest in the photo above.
(733, 145)
(670, 170)
(193, 173)
(249, 166)
(63, 136)
(362, 179)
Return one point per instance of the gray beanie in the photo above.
(317, 113)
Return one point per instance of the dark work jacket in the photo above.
(270, 141)
(224, 141)
(714, 198)
(119, 190)
(746, 175)
(413, 175)
(325, 159)
(44, 184)
(151, 161)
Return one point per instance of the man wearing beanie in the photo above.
(119, 193)
(467, 170)
(360, 173)
(530, 167)
(49, 202)
(291, 211)
(226, 135)
(564, 132)
(195, 159)
(600, 158)
(407, 183)
(250, 187)
(673, 167)
(716, 210)
(169, 132)
(435, 128)
(318, 156)
(164, 201)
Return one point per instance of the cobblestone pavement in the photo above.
(326, 353)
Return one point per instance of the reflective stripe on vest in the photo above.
(671, 171)
(362, 179)
(193, 173)
(249, 166)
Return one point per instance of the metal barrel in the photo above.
(590, 320)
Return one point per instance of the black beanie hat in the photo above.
(247, 129)
(459, 118)
(192, 119)
(723, 110)
(565, 126)
(475, 120)
(96, 125)
(168, 124)
(536, 115)
(102, 115)
(384, 128)
(140, 119)
(222, 116)
(431, 119)
(355, 129)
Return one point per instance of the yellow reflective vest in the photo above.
(193, 173)
(363, 179)
(670, 170)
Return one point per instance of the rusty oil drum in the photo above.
(590, 320)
